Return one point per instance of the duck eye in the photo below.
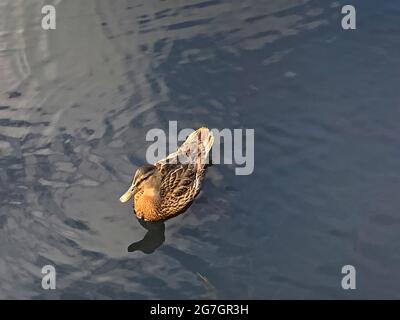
(145, 176)
(140, 179)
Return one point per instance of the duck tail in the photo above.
(194, 150)
(197, 146)
(201, 141)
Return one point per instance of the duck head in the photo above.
(142, 174)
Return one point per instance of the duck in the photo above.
(168, 187)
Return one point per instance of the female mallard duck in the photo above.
(165, 189)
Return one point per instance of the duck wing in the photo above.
(182, 172)
(180, 184)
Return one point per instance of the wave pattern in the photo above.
(75, 106)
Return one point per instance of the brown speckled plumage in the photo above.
(165, 189)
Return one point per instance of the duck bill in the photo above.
(128, 194)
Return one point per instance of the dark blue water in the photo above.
(76, 104)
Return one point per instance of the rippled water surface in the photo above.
(76, 104)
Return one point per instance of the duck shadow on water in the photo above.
(155, 235)
(152, 240)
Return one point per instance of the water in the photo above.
(77, 102)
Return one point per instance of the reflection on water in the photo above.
(76, 104)
(154, 237)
